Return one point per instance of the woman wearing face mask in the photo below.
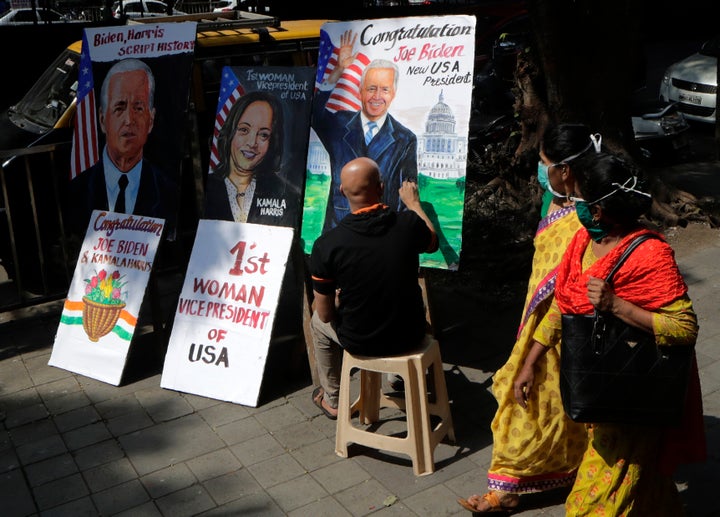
(626, 470)
(562, 145)
(538, 450)
(246, 186)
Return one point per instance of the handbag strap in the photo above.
(634, 244)
(598, 329)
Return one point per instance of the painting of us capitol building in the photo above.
(442, 153)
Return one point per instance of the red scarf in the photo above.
(649, 278)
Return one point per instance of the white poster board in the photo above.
(101, 310)
(225, 314)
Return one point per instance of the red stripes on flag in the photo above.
(85, 152)
(222, 114)
(346, 95)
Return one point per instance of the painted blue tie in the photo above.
(370, 131)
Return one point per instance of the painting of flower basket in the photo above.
(99, 318)
(102, 304)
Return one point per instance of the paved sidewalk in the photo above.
(73, 446)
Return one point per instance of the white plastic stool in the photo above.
(421, 439)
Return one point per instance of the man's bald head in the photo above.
(360, 183)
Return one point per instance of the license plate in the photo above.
(691, 99)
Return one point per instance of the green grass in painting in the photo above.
(316, 194)
(443, 201)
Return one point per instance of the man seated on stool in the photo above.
(365, 278)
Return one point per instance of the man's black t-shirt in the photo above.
(372, 257)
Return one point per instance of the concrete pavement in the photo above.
(73, 446)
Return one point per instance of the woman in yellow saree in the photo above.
(626, 469)
(539, 449)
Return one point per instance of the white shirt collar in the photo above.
(365, 121)
(112, 175)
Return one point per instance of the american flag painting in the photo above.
(346, 95)
(230, 91)
(85, 142)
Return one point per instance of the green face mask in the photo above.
(596, 229)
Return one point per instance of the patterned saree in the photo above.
(538, 449)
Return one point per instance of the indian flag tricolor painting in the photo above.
(73, 315)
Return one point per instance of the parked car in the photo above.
(141, 9)
(229, 5)
(26, 16)
(692, 83)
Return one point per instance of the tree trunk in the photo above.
(585, 62)
(590, 56)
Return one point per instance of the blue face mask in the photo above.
(596, 229)
(544, 178)
(542, 173)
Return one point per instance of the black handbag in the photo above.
(613, 372)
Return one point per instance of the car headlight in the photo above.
(667, 75)
(665, 82)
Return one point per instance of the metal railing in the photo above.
(196, 7)
(36, 260)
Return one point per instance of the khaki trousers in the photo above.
(328, 358)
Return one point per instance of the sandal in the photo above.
(493, 501)
(317, 397)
